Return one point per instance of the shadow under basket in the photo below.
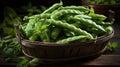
(53, 53)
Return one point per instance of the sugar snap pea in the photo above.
(64, 12)
(80, 8)
(70, 27)
(84, 16)
(109, 29)
(30, 27)
(102, 23)
(91, 23)
(98, 16)
(53, 7)
(33, 37)
(44, 36)
(69, 33)
(64, 24)
(56, 31)
(70, 39)
(39, 16)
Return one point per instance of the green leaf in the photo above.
(22, 61)
(112, 46)
(8, 52)
(34, 62)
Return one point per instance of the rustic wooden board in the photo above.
(105, 60)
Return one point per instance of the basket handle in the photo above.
(17, 33)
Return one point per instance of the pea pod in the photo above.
(55, 33)
(36, 31)
(84, 16)
(34, 62)
(102, 23)
(39, 16)
(57, 15)
(98, 16)
(91, 23)
(71, 39)
(53, 7)
(80, 8)
(70, 27)
(109, 29)
(69, 33)
(60, 22)
(30, 27)
(44, 36)
(33, 37)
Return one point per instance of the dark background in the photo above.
(18, 3)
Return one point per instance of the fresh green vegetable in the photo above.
(91, 24)
(10, 46)
(10, 18)
(112, 45)
(70, 39)
(96, 16)
(80, 8)
(22, 61)
(55, 33)
(56, 24)
(103, 1)
(53, 7)
(11, 49)
(60, 22)
(64, 12)
(70, 27)
(34, 62)
(109, 29)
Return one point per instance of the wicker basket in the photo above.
(63, 52)
(104, 8)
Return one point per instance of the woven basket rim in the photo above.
(38, 43)
(100, 5)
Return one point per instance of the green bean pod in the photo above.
(60, 13)
(91, 23)
(36, 32)
(34, 62)
(77, 24)
(71, 39)
(80, 8)
(69, 33)
(33, 37)
(53, 7)
(84, 16)
(102, 23)
(39, 16)
(109, 29)
(55, 33)
(44, 36)
(30, 27)
(98, 16)
(70, 27)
